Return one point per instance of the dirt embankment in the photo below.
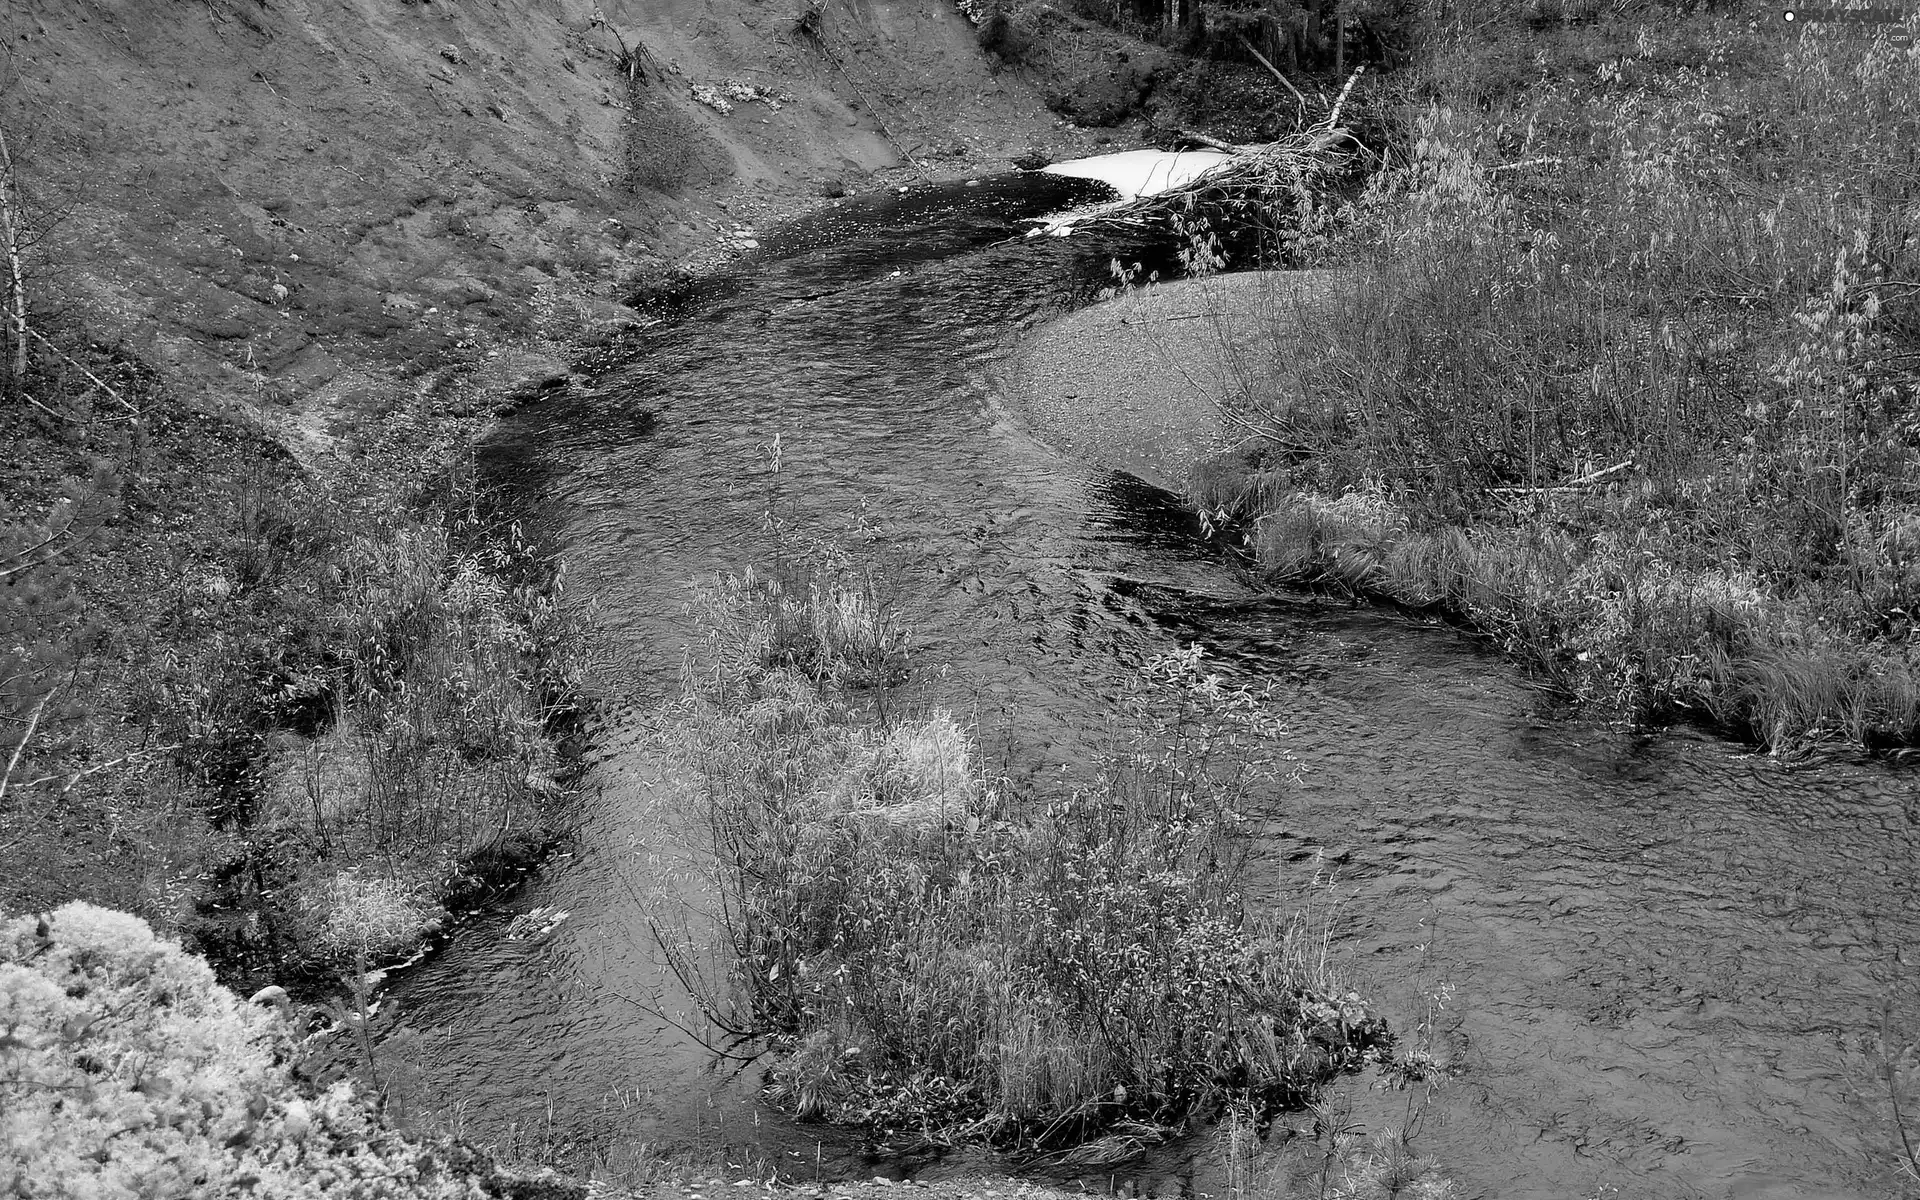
(311, 212)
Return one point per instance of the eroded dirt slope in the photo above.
(311, 211)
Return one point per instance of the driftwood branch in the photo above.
(1581, 483)
(1211, 143)
(98, 382)
(1333, 118)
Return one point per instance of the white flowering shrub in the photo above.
(709, 96)
(127, 1071)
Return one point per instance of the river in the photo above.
(1656, 966)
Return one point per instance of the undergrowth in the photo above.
(391, 684)
(288, 724)
(1625, 375)
(927, 948)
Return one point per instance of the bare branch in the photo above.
(138, 757)
(1333, 118)
(20, 748)
(1590, 479)
(10, 572)
(1302, 115)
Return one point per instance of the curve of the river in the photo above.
(1664, 961)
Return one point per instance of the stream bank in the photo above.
(1580, 926)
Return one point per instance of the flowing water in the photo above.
(1656, 966)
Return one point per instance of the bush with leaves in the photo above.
(126, 1071)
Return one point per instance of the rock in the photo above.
(535, 378)
(227, 327)
(457, 292)
(394, 304)
(306, 369)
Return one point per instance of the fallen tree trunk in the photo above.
(1292, 169)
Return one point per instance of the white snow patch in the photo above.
(1135, 173)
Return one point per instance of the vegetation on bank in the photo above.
(128, 1071)
(930, 949)
(286, 717)
(1628, 371)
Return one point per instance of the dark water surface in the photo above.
(1656, 966)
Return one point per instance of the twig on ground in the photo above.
(77, 776)
(20, 748)
(1547, 161)
(98, 382)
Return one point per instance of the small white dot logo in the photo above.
(1788, 16)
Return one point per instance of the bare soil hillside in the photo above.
(316, 209)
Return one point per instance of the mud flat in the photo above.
(1136, 382)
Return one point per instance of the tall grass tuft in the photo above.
(926, 947)
(1339, 1160)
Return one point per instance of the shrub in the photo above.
(1340, 1161)
(126, 1071)
(370, 695)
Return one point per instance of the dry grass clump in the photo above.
(830, 625)
(1340, 1160)
(928, 948)
(1628, 374)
